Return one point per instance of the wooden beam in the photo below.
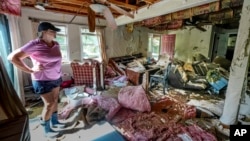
(124, 5)
(67, 8)
(149, 1)
(73, 2)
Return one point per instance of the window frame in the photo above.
(82, 44)
(151, 53)
(58, 25)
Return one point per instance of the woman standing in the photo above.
(45, 73)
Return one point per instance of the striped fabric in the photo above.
(86, 73)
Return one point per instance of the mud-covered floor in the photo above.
(209, 108)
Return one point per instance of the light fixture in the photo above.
(98, 8)
(40, 7)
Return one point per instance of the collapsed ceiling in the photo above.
(224, 13)
(80, 7)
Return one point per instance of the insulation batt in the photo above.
(134, 97)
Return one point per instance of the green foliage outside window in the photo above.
(154, 42)
(90, 44)
(62, 39)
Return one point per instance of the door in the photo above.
(220, 45)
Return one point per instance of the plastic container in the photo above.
(218, 85)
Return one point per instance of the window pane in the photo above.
(62, 39)
(85, 30)
(64, 52)
(63, 30)
(154, 41)
(90, 44)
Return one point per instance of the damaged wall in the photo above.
(119, 42)
(190, 41)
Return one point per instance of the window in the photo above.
(62, 39)
(90, 42)
(5, 44)
(154, 43)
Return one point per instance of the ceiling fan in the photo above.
(197, 24)
(96, 7)
(41, 4)
(101, 7)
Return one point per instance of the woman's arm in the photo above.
(16, 57)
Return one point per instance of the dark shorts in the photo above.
(42, 87)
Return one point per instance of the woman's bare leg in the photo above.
(49, 105)
(55, 93)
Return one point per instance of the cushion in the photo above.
(134, 97)
(66, 84)
(83, 73)
(182, 73)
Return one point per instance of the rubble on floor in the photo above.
(205, 117)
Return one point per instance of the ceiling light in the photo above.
(40, 7)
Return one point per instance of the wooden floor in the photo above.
(101, 131)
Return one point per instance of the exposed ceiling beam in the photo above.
(73, 2)
(149, 1)
(161, 8)
(124, 5)
(74, 9)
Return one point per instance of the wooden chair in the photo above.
(160, 76)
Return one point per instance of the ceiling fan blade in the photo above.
(98, 8)
(120, 10)
(91, 20)
(117, 8)
(109, 18)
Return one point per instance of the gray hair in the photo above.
(40, 34)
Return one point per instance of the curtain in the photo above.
(35, 24)
(104, 61)
(5, 45)
(12, 7)
(100, 32)
(16, 43)
(168, 45)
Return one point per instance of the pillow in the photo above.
(134, 97)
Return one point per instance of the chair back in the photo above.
(83, 73)
(167, 70)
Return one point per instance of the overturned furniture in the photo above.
(161, 78)
(14, 118)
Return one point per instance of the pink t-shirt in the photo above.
(49, 57)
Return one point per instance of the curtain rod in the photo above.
(36, 19)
